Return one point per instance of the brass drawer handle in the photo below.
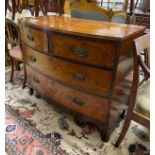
(33, 59)
(36, 80)
(30, 37)
(78, 101)
(79, 51)
(79, 77)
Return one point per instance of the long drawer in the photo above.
(78, 76)
(92, 106)
(83, 50)
(34, 38)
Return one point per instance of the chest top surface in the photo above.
(82, 27)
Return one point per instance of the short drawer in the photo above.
(88, 105)
(83, 50)
(34, 38)
(82, 77)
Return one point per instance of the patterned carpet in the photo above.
(34, 127)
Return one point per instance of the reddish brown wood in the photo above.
(70, 98)
(83, 50)
(82, 27)
(93, 79)
(34, 38)
(69, 73)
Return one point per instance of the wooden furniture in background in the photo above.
(139, 102)
(34, 6)
(40, 5)
(91, 10)
(114, 4)
(12, 44)
(24, 4)
(60, 4)
(140, 9)
(17, 6)
(11, 7)
(81, 61)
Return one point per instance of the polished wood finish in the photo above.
(82, 50)
(83, 64)
(76, 75)
(69, 97)
(89, 28)
(140, 44)
(34, 38)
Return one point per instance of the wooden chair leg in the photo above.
(122, 114)
(29, 7)
(36, 8)
(42, 7)
(31, 91)
(6, 6)
(18, 6)
(101, 3)
(32, 10)
(17, 65)
(25, 77)
(24, 82)
(123, 132)
(46, 6)
(56, 6)
(12, 69)
(13, 9)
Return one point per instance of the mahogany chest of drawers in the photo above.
(77, 64)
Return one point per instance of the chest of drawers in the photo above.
(78, 64)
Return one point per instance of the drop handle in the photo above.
(36, 80)
(33, 59)
(79, 77)
(79, 51)
(78, 101)
(30, 37)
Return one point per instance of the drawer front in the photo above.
(34, 38)
(85, 78)
(82, 50)
(92, 106)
